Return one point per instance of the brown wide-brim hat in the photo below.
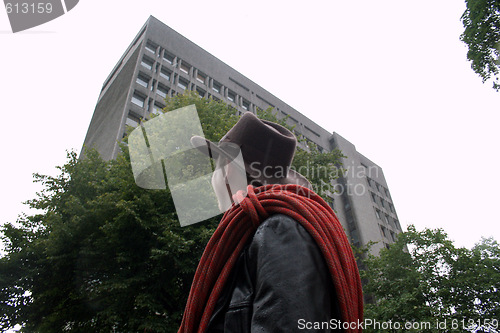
(266, 147)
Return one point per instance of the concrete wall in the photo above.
(106, 126)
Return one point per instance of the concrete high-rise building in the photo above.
(160, 63)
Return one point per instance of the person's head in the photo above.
(255, 152)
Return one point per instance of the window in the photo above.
(182, 83)
(392, 208)
(157, 108)
(350, 222)
(162, 90)
(217, 86)
(132, 120)
(386, 218)
(231, 96)
(245, 105)
(201, 77)
(147, 62)
(382, 230)
(373, 197)
(168, 57)
(165, 73)
(396, 222)
(201, 92)
(393, 236)
(185, 67)
(377, 213)
(138, 99)
(143, 80)
(387, 193)
(151, 47)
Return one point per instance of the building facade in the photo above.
(160, 63)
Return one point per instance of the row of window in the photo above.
(164, 71)
(386, 233)
(139, 98)
(133, 120)
(156, 51)
(382, 202)
(153, 106)
(146, 81)
(387, 219)
(374, 185)
(175, 62)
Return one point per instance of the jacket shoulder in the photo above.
(283, 231)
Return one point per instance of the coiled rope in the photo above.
(239, 224)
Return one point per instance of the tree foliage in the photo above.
(481, 21)
(435, 282)
(102, 254)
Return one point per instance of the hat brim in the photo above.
(214, 151)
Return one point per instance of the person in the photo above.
(280, 281)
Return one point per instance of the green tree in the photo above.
(102, 254)
(424, 278)
(481, 21)
(475, 285)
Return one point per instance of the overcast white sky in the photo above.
(390, 76)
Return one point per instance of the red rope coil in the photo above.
(239, 224)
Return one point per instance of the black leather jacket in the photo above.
(280, 283)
